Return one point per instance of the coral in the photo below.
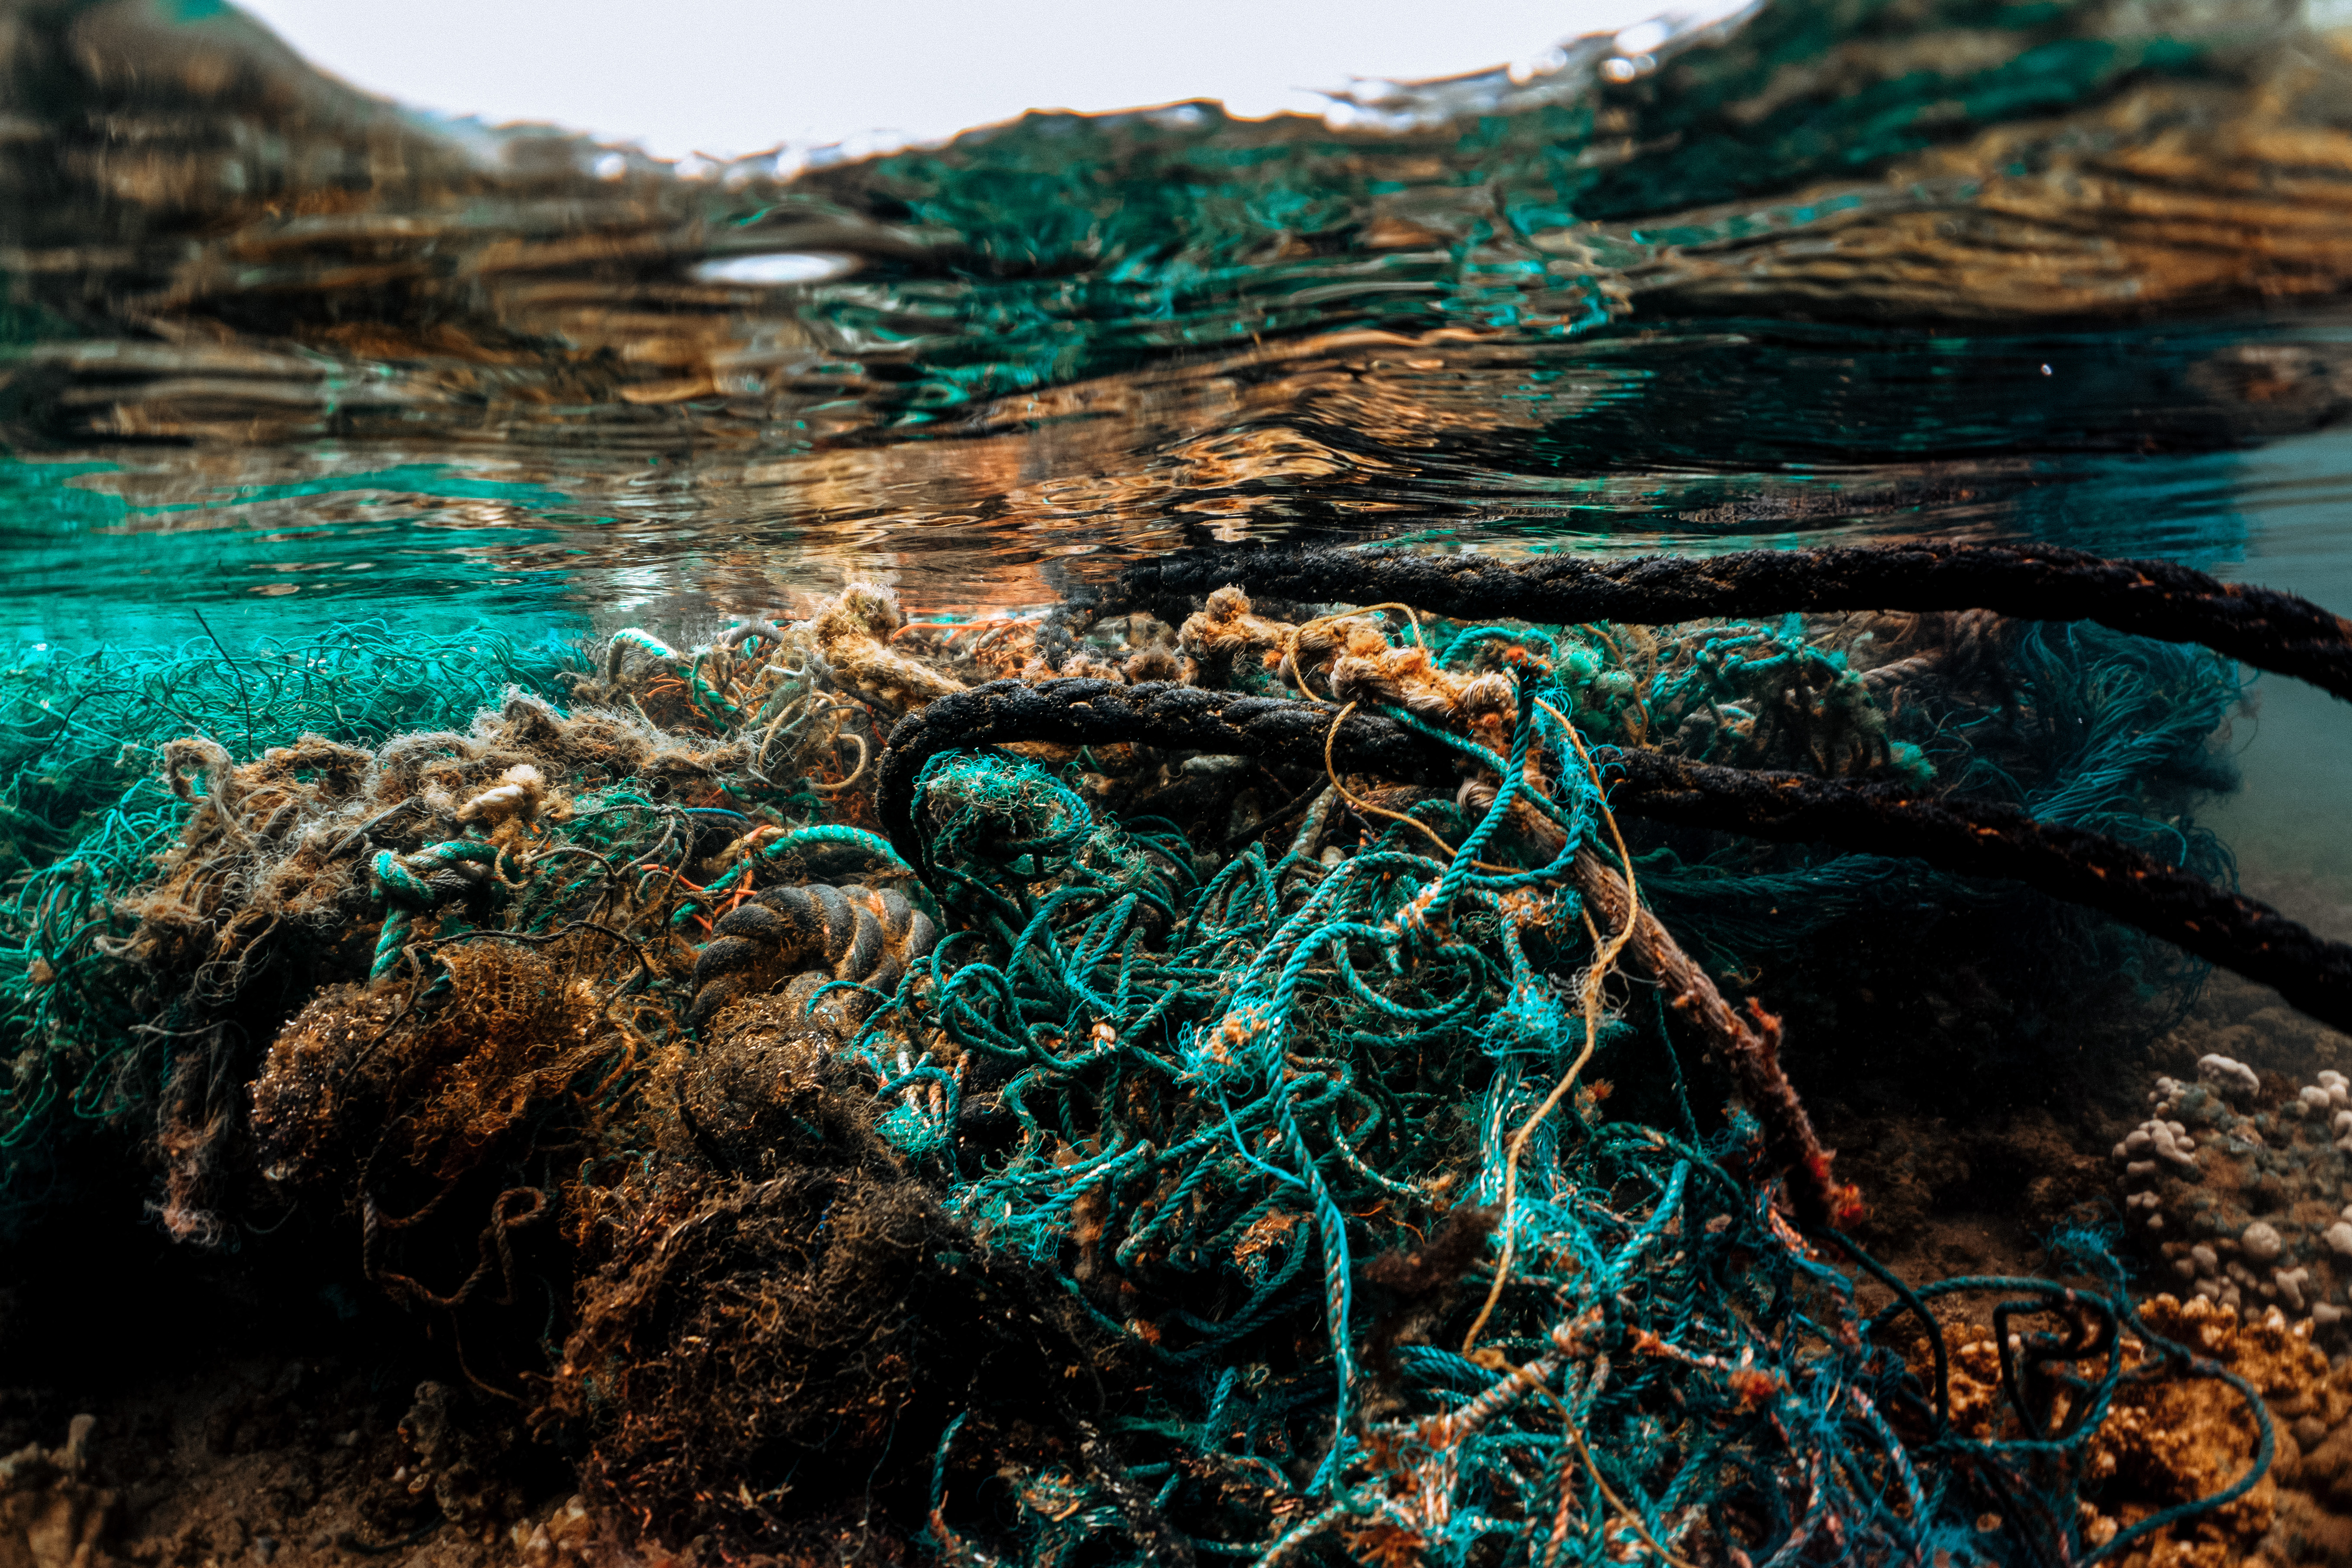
(2177, 1439)
(2173, 1436)
(2246, 1195)
(51, 1515)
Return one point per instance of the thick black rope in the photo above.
(1987, 838)
(1153, 713)
(2259, 626)
(1966, 837)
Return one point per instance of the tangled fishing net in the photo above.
(1159, 1081)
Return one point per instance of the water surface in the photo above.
(285, 355)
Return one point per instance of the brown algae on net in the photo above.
(1131, 1081)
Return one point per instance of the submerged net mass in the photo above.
(1115, 1088)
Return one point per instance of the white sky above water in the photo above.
(724, 78)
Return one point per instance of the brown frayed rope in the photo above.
(2160, 599)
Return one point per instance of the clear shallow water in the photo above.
(2287, 824)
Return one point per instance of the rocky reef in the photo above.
(2245, 1189)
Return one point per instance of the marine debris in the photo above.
(1126, 1085)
